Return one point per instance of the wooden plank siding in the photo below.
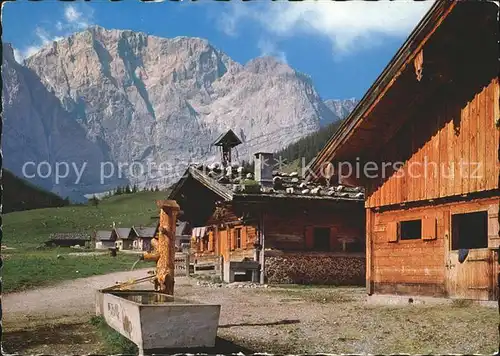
(286, 228)
(456, 134)
(419, 263)
(292, 229)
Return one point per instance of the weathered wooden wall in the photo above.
(443, 133)
(420, 266)
(292, 229)
(287, 228)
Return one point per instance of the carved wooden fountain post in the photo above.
(164, 247)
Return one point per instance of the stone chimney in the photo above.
(264, 163)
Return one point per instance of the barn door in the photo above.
(469, 265)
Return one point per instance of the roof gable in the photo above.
(145, 232)
(104, 235)
(453, 40)
(228, 139)
(422, 32)
(122, 232)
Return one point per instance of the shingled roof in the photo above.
(180, 229)
(233, 182)
(103, 235)
(148, 232)
(69, 236)
(122, 232)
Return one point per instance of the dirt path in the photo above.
(71, 298)
(55, 320)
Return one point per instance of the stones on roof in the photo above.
(240, 181)
(315, 190)
(213, 166)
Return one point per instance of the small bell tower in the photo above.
(226, 142)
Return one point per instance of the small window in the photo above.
(321, 238)
(410, 230)
(237, 235)
(469, 230)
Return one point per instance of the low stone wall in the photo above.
(315, 268)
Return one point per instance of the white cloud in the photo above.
(43, 36)
(17, 56)
(349, 25)
(228, 21)
(29, 51)
(268, 48)
(78, 19)
(75, 18)
(72, 14)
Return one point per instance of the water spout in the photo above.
(135, 263)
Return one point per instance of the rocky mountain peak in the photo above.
(142, 98)
(8, 51)
(341, 107)
(268, 65)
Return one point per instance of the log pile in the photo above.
(315, 269)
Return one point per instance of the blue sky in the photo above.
(343, 46)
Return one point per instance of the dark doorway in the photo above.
(469, 231)
(321, 239)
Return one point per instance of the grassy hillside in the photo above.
(30, 228)
(28, 267)
(19, 195)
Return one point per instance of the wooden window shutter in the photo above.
(429, 229)
(210, 241)
(244, 239)
(392, 231)
(309, 237)
(493, 226)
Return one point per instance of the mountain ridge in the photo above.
(141, 98)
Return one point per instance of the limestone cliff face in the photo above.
(142, 98)
(37, 129)
(341, 107)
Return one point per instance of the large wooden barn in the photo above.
(431, 120)
(297, 232)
